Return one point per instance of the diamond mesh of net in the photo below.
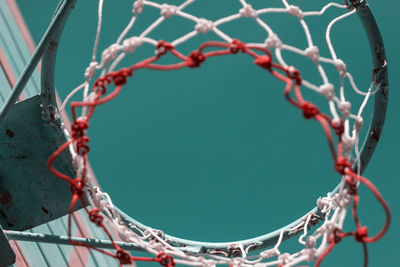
(341, 123)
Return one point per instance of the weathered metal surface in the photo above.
(17, 45)
(31, 194)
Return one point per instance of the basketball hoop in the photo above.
(341, 128)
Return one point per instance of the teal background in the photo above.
(216, 153)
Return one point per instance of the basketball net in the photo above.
(341, 126)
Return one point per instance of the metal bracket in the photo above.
(7, 255)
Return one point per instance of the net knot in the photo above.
(248, 11)
(90, 70)
(295, 11)
(269, 253)
(165, 260)
(347, 144)
(195, 59)
(76, 187)
(338, 127)
(236, 262)
(285, 258)
(344, 107)
(120, 77)
(293, 74)
(129, 45)
(310, 253)
(99, 86)
(78, 128)
(341, 165)
(309, 110)
(325, 204)
(336, 236)
(341, 67)
(163, 47)
(123, 257)
(273, 41)
(343, 199)
(351, 186)
(138, 7)
(237, 46)
(96, 217)
(168, 10)
(358, 123)
(312, 52)
(361, 233)
(110, 53)
(264, 62)
(204, 25)
(327, 90)
(311, 242)
(82, 147)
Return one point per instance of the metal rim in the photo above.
(48, 49)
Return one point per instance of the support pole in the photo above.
(64, 240)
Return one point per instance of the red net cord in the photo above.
(263, 58)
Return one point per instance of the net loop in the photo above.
(166, 260)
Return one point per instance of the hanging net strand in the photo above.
(336, 126)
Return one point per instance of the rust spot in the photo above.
(45, 210)
(53, 45)
(376, 134)
(5, 198)
(21, 156)
(9, 133)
